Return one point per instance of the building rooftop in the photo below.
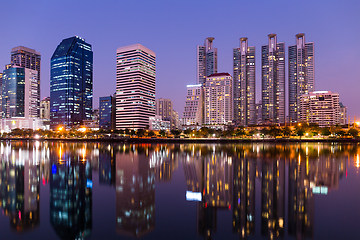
(219, 74)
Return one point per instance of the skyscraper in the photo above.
(273, 80)
(218, 103)
(244, 84)
(71, 83)
(135, 86)
(20, 93)
(193, 111)
(206, 59)
(301, 74)
(28, 58)
(106, 112)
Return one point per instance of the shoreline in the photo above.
(187, 140)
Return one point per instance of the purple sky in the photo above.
(173, 29)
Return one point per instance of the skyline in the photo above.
(169, 30)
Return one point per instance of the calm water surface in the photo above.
(54, 190)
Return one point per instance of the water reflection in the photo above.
(19, 185)
(267, 187)
(135, 192)
(70, 191)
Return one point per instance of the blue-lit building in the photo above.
(71, 83)
(106, 112)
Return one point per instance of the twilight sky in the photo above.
(173, 29)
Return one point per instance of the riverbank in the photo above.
(189, 140)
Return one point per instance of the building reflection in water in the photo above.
(71, 191)
(107, 165)
(135, 191)
(217, 175)
(20, 185)
(244, 195)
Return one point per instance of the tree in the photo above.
(151, 133)
(286, 131)
(140, 132)
(162, 133)
(325, 131)
(274, 131)
(240, 132)
(175, 132)
(353, 132)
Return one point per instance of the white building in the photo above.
(193, 111)
(156, 123)
(218, 103)
(45, 108)
(321, 107)
(135, 86)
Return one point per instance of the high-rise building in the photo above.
(106, 112)
(1, 80)
(301, 74)
(28, 58)
(273, 81)
(71, 83)
(218, 103)
(193, 111)
(45, 108)
(244, 84)
(135, 86)
(321, 107)
(20, 93)
(206, 59)
(342, 114)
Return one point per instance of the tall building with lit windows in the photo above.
(135, 86)
(218, 102)
(28, 58)
(206, 60)
(244, 84)
(321, 107)
(71, 83)
(273, 81)
(20, 93)
(301, 74)
(193, 112)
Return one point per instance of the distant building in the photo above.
(301, 74)
(244, 84)
(342, 114)
(273, 81)
(106, 112)
(206, 60)
(218, 102)
(28, 58)
(164, 108)
(175, 124)
(157, 123)
(71, 83)
(45, 108)
(135, 86)
(321, 107)
(193, 111)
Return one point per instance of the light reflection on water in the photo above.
(269, 189)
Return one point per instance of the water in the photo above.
(54, 190)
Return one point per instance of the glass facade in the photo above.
(71, 83)
(105, 107)
(13, 89)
